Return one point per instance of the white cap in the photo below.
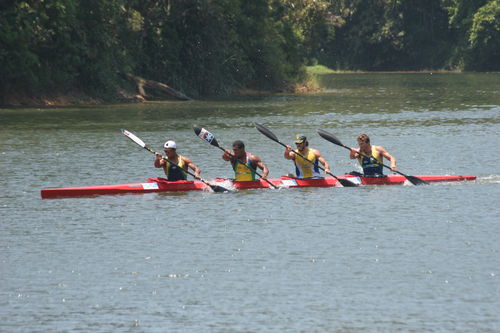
(170, 144)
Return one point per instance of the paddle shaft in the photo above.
(270, 135)
(210, 138)
(133, 137)
(215, 188)
(333, 139)
(412, 179)
(171, 162)
(385, 165)
(308, 160)
(254, 170)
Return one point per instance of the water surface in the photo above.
(377, 259)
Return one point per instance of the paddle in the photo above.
(333, 139)
(210, 138)
(270, 135)
(133, 137)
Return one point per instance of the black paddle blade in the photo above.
(330, 137)
(219, 189)
(264, 130)
(416, 181)
(205, 135)
(347, 182)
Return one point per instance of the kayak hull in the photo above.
(400, 180)
(161, 185)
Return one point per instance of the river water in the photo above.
(370, 259)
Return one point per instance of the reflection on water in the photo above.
(380, 258)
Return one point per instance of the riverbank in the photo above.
(79, 98)
(56, 99)
(75, 98)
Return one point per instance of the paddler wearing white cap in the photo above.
(176, 164)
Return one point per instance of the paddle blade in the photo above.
(330, 137)
(416, 181)
(219, 189)
(264, 130)
(347, 182)
(205, 135)
(134, 138)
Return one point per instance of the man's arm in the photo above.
(261, 165)
(227, 156)
(192, 166)
(159, 162)
(322, 160)
(391, 158)
(353, 153)
(289, 154)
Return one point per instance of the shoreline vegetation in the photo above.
(68, 52)
(160, 92)
(149, 91)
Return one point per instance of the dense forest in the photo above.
(214, 47)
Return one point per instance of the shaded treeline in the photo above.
(212, 47)
(410, 35)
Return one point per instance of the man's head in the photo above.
(238, 148)
(170, 148)
(363, 139)
(301, 141)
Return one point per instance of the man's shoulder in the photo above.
(315, 151)
(185, 159)
(253, 157)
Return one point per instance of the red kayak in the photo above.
(162, 185)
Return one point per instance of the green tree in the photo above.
(484, 38)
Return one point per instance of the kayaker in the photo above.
(372, 164)
(173, 172)
(303, 168)
(244, 164)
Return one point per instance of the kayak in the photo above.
(162, 185)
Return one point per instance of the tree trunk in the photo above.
(158, 89)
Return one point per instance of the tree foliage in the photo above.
(212, 47)
(484, 37)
